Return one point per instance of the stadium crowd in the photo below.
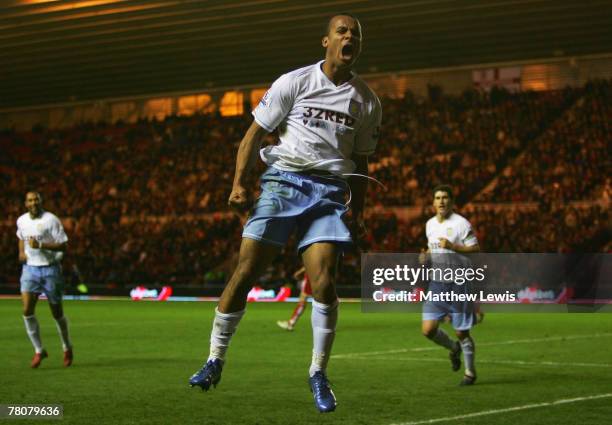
(181, 165)
(466, 140)
(569, 160)
(146, 202)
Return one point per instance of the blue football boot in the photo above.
(324, 397)
(210, 374)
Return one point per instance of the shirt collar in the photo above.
(326, 79)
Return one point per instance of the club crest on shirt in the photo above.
(449, 231)
(354, 108)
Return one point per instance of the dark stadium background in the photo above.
(126, 115)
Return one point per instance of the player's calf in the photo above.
(455, 357)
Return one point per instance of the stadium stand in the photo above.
(146, 202)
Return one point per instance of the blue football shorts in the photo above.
(462, 313)
(46, 280)
(311, 204)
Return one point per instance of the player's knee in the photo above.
(462, 334)
(28, 308)
(429, 332)
(323, 286)
(325, 294)
(57, 312)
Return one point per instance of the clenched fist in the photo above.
(239, 199)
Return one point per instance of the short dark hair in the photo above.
(443, 188)
(33, 191)
(328, 26)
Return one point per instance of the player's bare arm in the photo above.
(461, 249)
(51, 246)
(424, 256)
(247, 154)
(22, 254)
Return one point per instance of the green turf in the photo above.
(132, 362)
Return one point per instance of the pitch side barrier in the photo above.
(513, 283)
(148, 292)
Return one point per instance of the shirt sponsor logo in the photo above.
(330, 116)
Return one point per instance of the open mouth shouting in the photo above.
(347, 52)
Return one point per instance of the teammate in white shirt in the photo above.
(42, 243)
(328, 123)
(449, 234)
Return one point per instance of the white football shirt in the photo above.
(320, 125)
(455, 228)
(46, 228)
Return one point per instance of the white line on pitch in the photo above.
(48, 324)
(509, 362)
(507, 409)
(479, 344)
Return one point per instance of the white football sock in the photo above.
(224, 326)
(442, 338)
(33, 330)
(324, 318)
(468, 347)
(62, 329)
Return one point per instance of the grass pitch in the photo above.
(133, 360)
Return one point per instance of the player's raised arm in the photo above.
(247, 154)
